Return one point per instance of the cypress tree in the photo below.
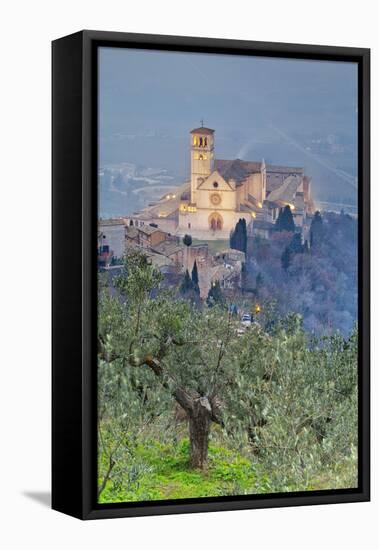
(238, 237)
(316, 230)
(243, 235)
(187, 284)
(285, 221)
(296, 244)
(195, 275)
(215, 295)
(189, 290)
(187, 240)
(195, 278)
(286, 258)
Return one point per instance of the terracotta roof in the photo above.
(148, 229)
(131, 231)
(167, 248)
(158, 259)
(221, 273)
(202, 130)
(237, 169)
(232, 252)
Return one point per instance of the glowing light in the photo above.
(257, 308)
(173, 196)
(260, 205)
(253, 215)
(292, 206)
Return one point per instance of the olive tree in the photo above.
(276, 392)
(185, 349)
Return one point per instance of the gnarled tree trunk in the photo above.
(199, 418)
(201, 412)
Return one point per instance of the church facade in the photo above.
(220, 192)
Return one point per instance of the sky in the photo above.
(286, 111)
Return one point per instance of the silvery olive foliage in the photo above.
(285, 401)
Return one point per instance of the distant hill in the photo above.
(126, 188)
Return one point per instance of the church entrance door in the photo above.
(215, 222)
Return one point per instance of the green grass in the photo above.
(161, 471)
(167, 475)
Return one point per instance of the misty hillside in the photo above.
(128, 186)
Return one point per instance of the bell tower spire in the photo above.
(202, 157)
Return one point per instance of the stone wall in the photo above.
(114, 237)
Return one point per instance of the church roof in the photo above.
(237, 169)
(202, 130)
(276, 175)
(284, 169)
(286, 191)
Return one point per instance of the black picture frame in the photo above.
(74, 205)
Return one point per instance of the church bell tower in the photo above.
(202, 157)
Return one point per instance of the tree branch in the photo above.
(107, 475)
(184, 399)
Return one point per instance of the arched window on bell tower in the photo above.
(202, 154)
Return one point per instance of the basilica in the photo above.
(220, 192)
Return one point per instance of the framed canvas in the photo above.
(210, 275)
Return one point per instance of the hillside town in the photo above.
(169, 254)
(219, 194)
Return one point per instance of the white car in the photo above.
(246, 319)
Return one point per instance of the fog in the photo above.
(296, 112)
